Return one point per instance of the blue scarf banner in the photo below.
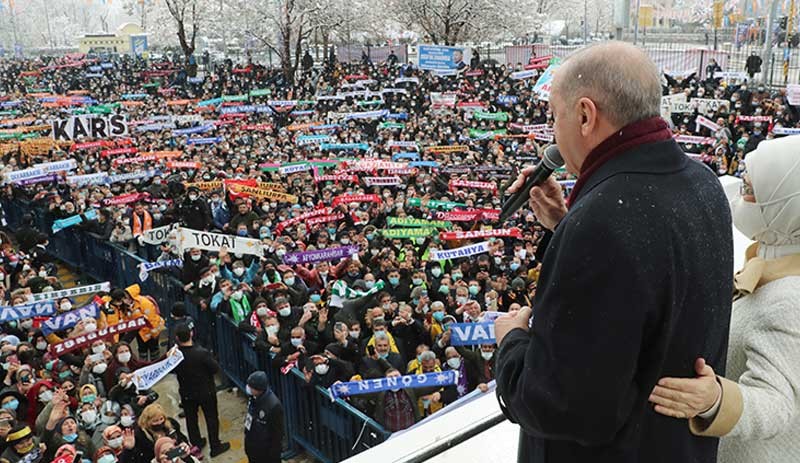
(135, 96)
(204, 141)
(21, 312)
(69, 319)
(433, 164)
(191, 130)
(344, 146)
(59, 225)
(472, 334)
(367, 114)
(211, 102)
(397, 116)
(370, 386)
(146, 267)
(406, 155)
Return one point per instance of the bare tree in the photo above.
(447, 21)
(186, 15)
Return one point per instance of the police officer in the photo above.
(263, 426)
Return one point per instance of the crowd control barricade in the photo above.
(329, 430)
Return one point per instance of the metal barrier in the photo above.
(329, 430)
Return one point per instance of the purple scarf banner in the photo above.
(322, 255)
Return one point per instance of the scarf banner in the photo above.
(691, 139)
(754, 119)
(413, 155)
(133, 176)
(324, 219)
(519, 75)
(125, 199)
(35, 180)
(71, 292)
(703, 121)
(411, 222)
(336, 178)
(205, 186)
(397, 116)
(382, 181)
(484, 134)
(187, 239)
(184, 165)
(472, 334)
(260, 109)
(403, 171)
(412, 80)
(786, 131)
(69, 319)
(204, 141)
(480, 115)
(257, 127)
(434, 204)
(344, 146)
(261, 92)
(211, 102)
(447, 148)
(158, 235)
(114, 152)
(321, 255)
(469, 235)
(86, 340)
(294, 168)
(155, 127)
(282, 103)
(347, 199)
(192, 130)
(474, 73)
(61, 224)
(393, 233)
(459, 216)
(321, 127)
(464, 251)
(455, 183)
(471, 105)
(447, 99)
(371, 386)
(366, 114)
(57, 166)
(301, 218)
(530, 128)
(391, 125)
(234, 97)
(432, 164)
(17, 175)
(507, 100)
(21, 312)
(304, 140)
(264, 194)
(402, 144)
(88, 179)
(146, 267)
(146, 377)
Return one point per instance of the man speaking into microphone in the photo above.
(635, 281)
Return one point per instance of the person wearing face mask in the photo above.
(61, 428)
(88, 418)
(236, 272)
(22, 445)
(754, 406)
(197, 389)
(219, 211)
(108, 416)
(380, 357)
(318, 278)
(263, 426)
(398, 409)
(39, 395)
(475, 367)
(94, 369)
(194, 211)
(244, 216)
(193, 262)
(328, 368)
(296, 287)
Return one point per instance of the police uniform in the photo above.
(263, 425)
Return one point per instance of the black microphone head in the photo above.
(552, 157)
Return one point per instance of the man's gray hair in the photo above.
(381, 336)
(619, 78)
(427, 355)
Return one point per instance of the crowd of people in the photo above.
(398, 163)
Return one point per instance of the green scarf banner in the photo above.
(411, 222)
(407, 232)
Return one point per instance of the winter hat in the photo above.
(161, 443)
(258, 381)
(18, 433)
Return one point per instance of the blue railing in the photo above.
(329, 430)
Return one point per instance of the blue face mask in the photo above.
(384, 356)
(315, 298)
(297, 341)
(370, 236)
(438, 316)
(416, 281)
(70, 437)
(332, 231)
(88, 399)
(444, 289)
(514, 266)
(11, 405)
(394, 281)
(242, 232)
(64, 374)
(474, 290)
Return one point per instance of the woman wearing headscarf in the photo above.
(756, 407)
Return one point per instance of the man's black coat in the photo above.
(636, 284)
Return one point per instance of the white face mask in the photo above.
(89, 416)
(99, 369)
(436, 271)
(237, 295)
(487, 355)
(322, 369)
(454, 363)
(355, 334)
(124, 357)
(41, 345)
(43, 274)
(99, 349)
(261, 311)
(46, 396)
(108, 420)
(285, 312)
(66, 306)
(115, 443)
(89, 327)
(272, 330)
(747, 218)
(196, 257)
(126, 421)
(238, 271)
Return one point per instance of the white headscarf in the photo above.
(774, 220)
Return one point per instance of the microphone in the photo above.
(551, 160)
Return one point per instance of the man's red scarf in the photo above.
(631, 136)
